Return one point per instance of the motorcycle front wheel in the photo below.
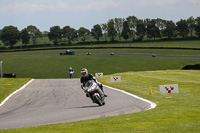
(98, 100)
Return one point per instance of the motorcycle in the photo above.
(92, 90)
(71, 73)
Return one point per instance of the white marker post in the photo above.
(98, 74)
(1, 62)
(115, 78)
(165, 89)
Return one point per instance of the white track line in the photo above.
(153, 105)
(4, 101)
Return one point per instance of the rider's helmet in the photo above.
(70, 68)
(84, 72)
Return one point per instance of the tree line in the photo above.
(126, 28)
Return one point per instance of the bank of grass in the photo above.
(7, 86)
(56, 66)
(178, 112)
(50, 64)
(46, 43)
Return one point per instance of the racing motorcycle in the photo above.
(92, 90)
(71, 73)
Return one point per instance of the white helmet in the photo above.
(84, 72)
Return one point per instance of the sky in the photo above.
(86, 13)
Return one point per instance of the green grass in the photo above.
(177, 112)
(7, 86)
(35, 65)
(177, 44)
(108, 51)
(49, 64)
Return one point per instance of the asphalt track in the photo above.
(149, 55)
(47, 101)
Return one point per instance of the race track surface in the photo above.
(47, 101)
(150, 55)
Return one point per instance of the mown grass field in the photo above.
(44, 64)
(177, 112)
(177, 44)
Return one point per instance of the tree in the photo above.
(45, 34)
(191, 25)
(119, 26)
(0, 33)
(182, 28)
(10, 35)
(55, 34)
(126, 30)
(141, 29)
(25, 36)
(34, 33)
(83, 33)
(152, 30)
(170, 29)
(146, 22)
(197, 26)
(160, 23)
(69, 33)
(111, 29)
(96, 32)
(104, 28)
(132, 22)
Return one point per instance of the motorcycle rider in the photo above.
(88, 76)
(70, 72)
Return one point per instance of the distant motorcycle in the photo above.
(92, 90)
(71, 74)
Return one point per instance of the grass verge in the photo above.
(177, 112)
(8, 86)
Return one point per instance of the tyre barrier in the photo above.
(192, 67)
(9, 75)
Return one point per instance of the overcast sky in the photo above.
(86, 13)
